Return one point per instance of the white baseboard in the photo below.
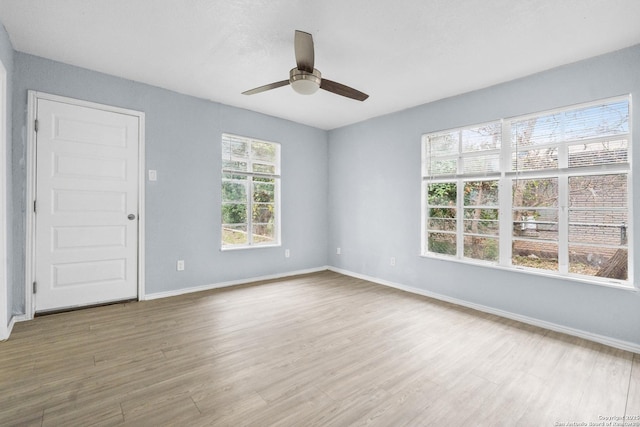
(612, 342)
(183, 291)
(5, 336)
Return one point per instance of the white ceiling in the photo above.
(401, 52)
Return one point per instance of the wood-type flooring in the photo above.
(316, 350)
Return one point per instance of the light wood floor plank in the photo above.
(314, 350)
(633, 399)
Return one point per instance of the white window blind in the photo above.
(468, 151)
(594, 135)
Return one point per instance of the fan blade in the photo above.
(266, 87)
(303, 45)
(340, 89)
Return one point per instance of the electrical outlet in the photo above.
(393, 261)
(338, 251)
(180, 265)
(287, 254)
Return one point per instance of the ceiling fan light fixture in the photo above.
(305, 79)
(304, 82)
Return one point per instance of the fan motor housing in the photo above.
(304, 82)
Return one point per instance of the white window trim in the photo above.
(505, 202)
(5, 328)
(277, 176)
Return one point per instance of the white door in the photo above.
(86, 221)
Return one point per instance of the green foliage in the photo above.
(234, 213)
(235, 209)
(442, 194)
(263, 202)
(442, 243)
(482, 248)
(491, 250)
(234, 199)
(481, 193)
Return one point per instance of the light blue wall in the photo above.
(183, 206)
(357, 188)
(374, 199)
(6, 57)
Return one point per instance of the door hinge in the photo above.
(34, 207)
(35, 125)
(35, 287)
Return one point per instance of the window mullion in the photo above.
(504, 196)
(563, 206)
(630, 228)
(563, 224)
(424, 214)
(250, 211)
(460, 202)
(460, 219)
(250, 197)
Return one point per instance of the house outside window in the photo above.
(250, 193)
(546, 192)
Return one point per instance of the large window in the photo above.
(250, 192)
(546, 192)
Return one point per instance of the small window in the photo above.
(250, 192)
(546, 192)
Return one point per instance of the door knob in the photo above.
(131, 217)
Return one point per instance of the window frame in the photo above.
(508, 175)
(276, 176)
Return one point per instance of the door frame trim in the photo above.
(5, 323)
(32, 105)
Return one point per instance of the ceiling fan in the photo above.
(304, 78)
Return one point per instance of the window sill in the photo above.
(610, 283)
(241, 248)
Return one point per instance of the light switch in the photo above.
(153, 175)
